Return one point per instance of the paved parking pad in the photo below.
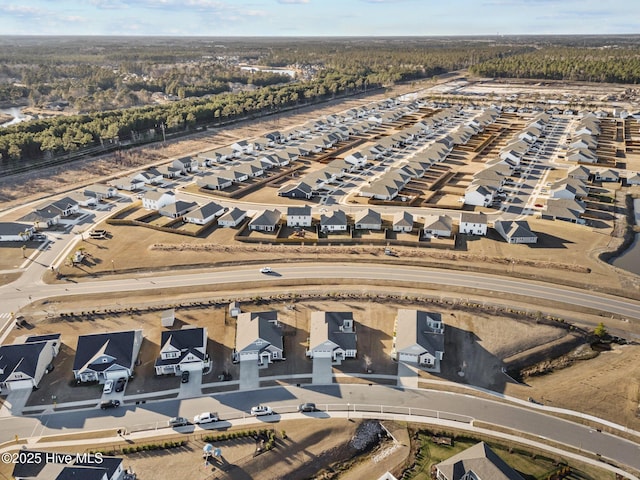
(407, 375)
(15, 402)
(249, 379)
(322, 371)
(193, 388)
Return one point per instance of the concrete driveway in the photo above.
(193, 388)
(249, 379)
(15, 402)
(322, 371)
(407, 375)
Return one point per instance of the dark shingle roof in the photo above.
(20, 357)
(326, 326)
(253, 326)
(118, 345)
(481, 460)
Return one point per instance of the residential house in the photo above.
(273, 138)
(403, 222)
(579, 172)
(100, 191)
(299, 216)
(258, 338)
(564, 209)
(581, 155)
(243, 146)
(478, 195)
(473, 223)
(42, 465)
(204, 214)
(251, 169)
(130, 183)
(156, 199)
(52, 213)
(335, 222)
(583, 141)
(267, 221)
(569, 188)
(213, 181)
(332, 335)
(169, 171)
(437, 226)
(218, 156)
(177, 209)
(368, 220)
(183, 350)
(476, 463)
(237, 174)
(16, 232)
(82, 200)
(607, 175)
(232, 218)
(358, 159)
(150, 176)
(22, 365)
(296, 190)
(633, 179)
(104, 356)
(418, 339)
(515, 231)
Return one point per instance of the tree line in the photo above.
(594, 64)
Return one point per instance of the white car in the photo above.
(108, 386)
(266, 270)
(205, 417)
(261, 410)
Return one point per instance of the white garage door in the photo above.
(20, 385)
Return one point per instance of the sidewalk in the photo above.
(148, 435)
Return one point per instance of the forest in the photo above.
(595, 64)
(117, 91)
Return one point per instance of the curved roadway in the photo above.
(308, 271)
(336, 397)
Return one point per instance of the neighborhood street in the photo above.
(444, 405)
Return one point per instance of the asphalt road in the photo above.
(335, 397)
(302, 271)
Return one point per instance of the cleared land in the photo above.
(565, 253)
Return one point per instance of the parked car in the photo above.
(206, 417)
(178, 422)
(266, 270)
(184, 378)
(260, 410)
(120, 383)
(110, 404)
(108, 386)
(307, 407)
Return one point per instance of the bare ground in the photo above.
(607, 386)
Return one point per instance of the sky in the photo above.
(318, 17)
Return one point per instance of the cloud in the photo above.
(109, 4)
(21, 10)
(291, 2)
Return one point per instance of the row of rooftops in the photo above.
(584, 140)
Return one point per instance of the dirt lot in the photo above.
(607, 386)
(12, 255)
